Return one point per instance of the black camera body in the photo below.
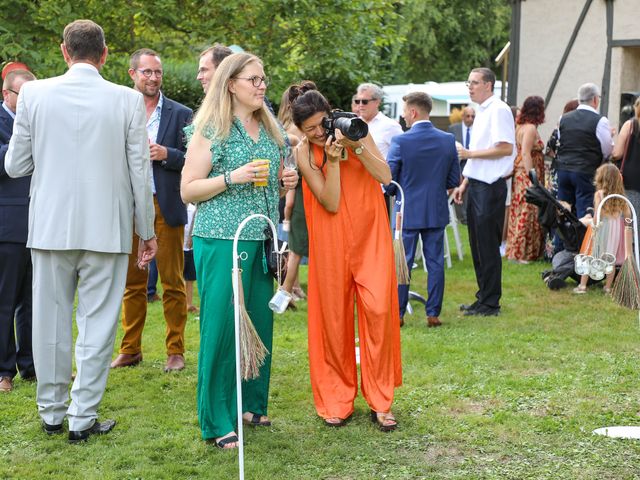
(348, 123)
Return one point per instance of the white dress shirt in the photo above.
(493, 124)
(383, 129)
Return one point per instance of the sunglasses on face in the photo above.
(363, 101)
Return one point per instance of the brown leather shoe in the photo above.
(402, 321)
(127, 360)
(174, 363)
(153, 298)
(433, 322)
(6, 384)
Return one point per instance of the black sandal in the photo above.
(256, 421)
(380, 424)
(223, 442)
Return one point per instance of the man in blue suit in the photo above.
(15, 257)
(424, 162)
(166, 120)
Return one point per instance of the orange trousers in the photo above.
(351, 264)
(170, 262)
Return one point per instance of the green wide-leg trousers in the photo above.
(216, 397)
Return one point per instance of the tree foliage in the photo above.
(336, 43)
(446, 38)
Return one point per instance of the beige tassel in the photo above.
(626, 289)
(402, 270)
(252, 351)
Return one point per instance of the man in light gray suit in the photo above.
(84, 142)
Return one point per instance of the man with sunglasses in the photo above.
(166, 120)
(367, 102)
(15, 257)
(489, 161)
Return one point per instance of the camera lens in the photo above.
(352, 128)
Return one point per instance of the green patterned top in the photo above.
(220, 216)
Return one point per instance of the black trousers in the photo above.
(15, 306)
(485, 220)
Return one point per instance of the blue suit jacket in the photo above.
(166, 174)
(14, 192)
(424, 162)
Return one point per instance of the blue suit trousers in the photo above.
(433, 254)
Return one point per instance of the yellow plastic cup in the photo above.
(262, 182)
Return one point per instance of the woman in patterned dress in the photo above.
(231, 130)
(525, 238)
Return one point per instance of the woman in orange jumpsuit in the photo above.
(350, 260)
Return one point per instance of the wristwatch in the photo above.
(359, 149)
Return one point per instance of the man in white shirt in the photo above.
(489, 160)
(382, 128)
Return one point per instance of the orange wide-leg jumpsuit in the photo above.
(351, 258)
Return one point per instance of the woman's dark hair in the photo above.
(532, 111)
(306, 104)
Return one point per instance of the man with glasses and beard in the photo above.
(166, 120)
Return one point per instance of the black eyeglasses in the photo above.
(363, 101)
(256, 81)
(147, 72)
(12, 91)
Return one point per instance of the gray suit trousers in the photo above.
(99, 279)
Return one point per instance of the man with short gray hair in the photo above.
(84, 142)
(584, 143)
(367, 102)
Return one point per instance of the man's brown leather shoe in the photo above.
(127, 360)
(174, 363)
(433, 322)
(6, 384)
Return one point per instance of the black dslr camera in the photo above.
(348, 123)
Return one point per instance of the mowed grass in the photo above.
(513, 397)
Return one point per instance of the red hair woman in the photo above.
(524, 238)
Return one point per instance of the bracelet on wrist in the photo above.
(227, 179)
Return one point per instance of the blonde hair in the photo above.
(216, 112)
(284, 112)
(609, 179)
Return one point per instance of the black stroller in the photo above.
(553, 215)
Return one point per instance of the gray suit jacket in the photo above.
(456, 129)
(84, 140)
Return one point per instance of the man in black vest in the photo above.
(585, 142)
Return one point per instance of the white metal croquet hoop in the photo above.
(627, 432)
(236, 319)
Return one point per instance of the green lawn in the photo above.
(513, 397)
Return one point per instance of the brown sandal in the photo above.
(386, 422)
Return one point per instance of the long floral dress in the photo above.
(525, 236)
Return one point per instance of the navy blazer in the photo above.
(14, 192)
(424, 161)
(166, 174)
